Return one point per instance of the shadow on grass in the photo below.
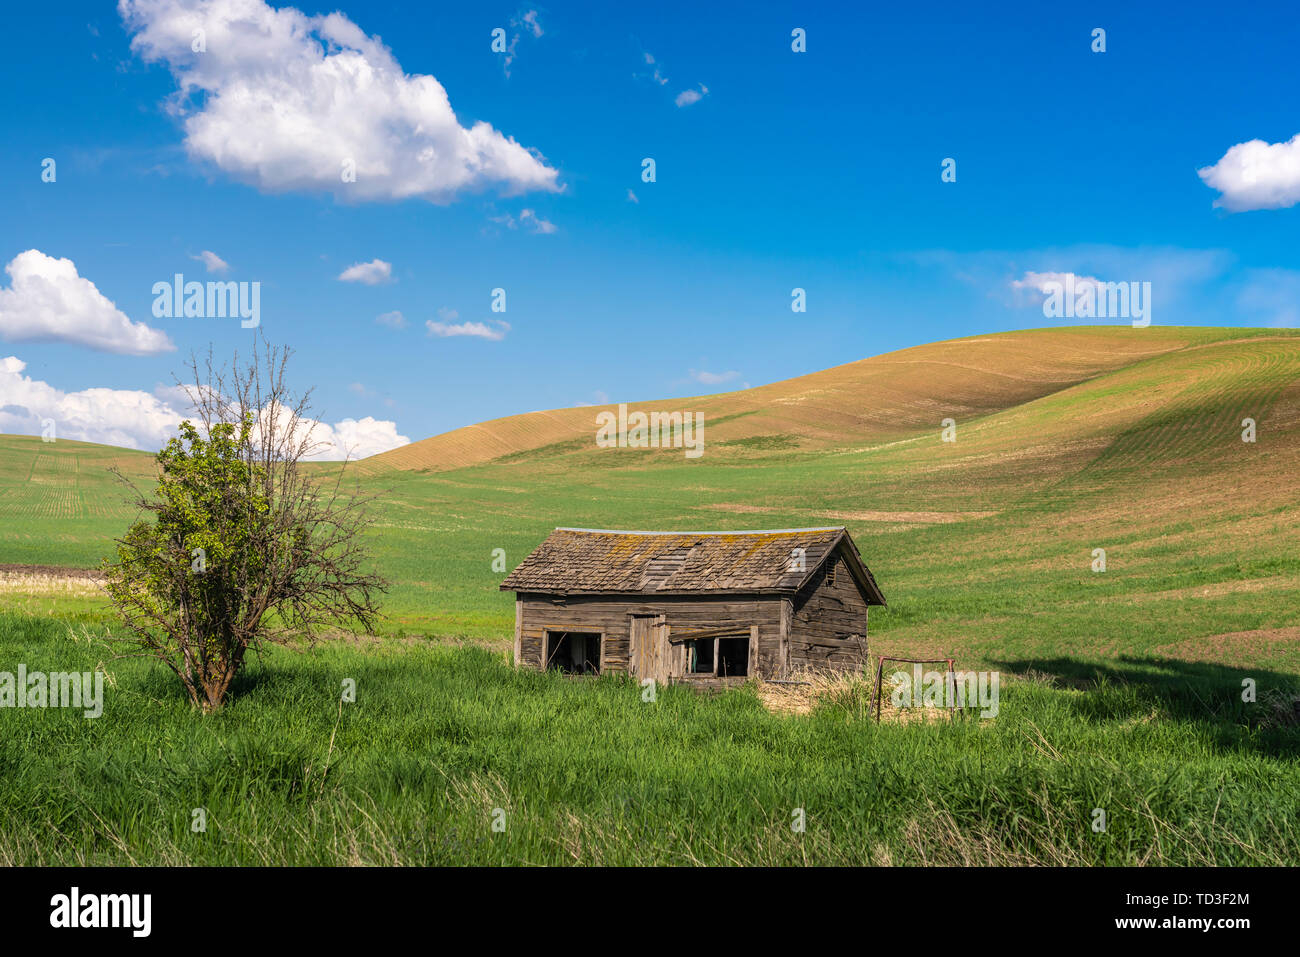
(1198, 692)
(155, 680)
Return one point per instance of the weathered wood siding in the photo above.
(612, 615)
(829, 626)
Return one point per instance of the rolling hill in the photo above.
(1067, 441)
(873, 400)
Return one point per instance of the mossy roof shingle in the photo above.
(598, 561)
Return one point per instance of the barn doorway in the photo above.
(573, 652)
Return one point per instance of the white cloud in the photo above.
(122, 417)
(1256, 175)
(496, 332)
(348, 439)
(1048, 282)
(394, 320)
(371, 273)
(713, 378)
(212, 261)
(529, 22)
(282, 100)
(657, 76)
(1193, 284)
(536, 223)
(355, 438)
(527, 218)
(48, 301)
(687, 97)
(139, 420)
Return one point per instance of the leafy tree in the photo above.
(240, 544)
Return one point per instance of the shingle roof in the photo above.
(598, 561)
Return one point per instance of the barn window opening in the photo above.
(830, 575)
(733, 657)
(701, 656)
(573, 652)
(720, 657)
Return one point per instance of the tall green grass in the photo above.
(585, 772)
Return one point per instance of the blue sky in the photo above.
(819, 170)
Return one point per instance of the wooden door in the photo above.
(649, 647)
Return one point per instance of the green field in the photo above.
(585, 772)
(1122, 691)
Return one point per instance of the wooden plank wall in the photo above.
(612, 615)
(829, 625)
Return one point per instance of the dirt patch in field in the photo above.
(907, 519)
(53, 570)
(1238, 647)
(915, 518)
(46, 580)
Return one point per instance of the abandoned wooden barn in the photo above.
(704, 607)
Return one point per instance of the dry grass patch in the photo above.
(804, 690)
(853, 692)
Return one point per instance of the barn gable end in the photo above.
(829, 619)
